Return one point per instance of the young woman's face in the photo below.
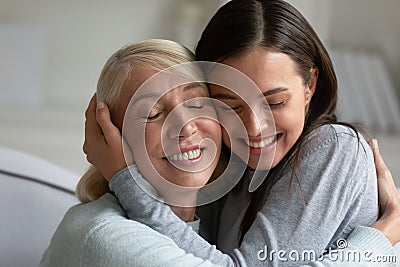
(181, 140)
(287, 95)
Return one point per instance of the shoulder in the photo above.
(73, 235)
(80, 218)
(102, 220)
(98, 233)
(336, 138)
(336, 155)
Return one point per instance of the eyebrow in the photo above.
(267, 93)
(275, 91)
(187, 87)
(141, 97)
(192, 85)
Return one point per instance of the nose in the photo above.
(182, 127)
(189, 129)
(254, 122)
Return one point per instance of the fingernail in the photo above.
(100, 105)
(375, 144)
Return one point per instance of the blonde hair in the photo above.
(156, 54)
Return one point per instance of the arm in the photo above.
(333, 191)
(362, 240)
(103, 120)
(345, 189)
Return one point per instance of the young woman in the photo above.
(98, 233)
(321, 185)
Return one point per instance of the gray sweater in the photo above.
(338, 193)
(98, 234)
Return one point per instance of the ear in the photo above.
(312, 85)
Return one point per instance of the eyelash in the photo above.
(277, 105)
(155, 116)
(196, 107)
(273, 106)
(235, 108)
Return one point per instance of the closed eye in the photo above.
(153, 117)
(277, 103)
(195, 106)
(233, 108)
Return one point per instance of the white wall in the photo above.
(77, 37)
(80, 35)
(369, 24)
(318, 13)
(43, 115)
(358, 24)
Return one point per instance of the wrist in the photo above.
(389, 225)
(110, 174)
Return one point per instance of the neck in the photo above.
(186, 214)
(183, 204)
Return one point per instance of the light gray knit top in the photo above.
(338, 193)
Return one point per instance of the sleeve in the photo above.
(156, 214)
(364, 247)
(332, 184)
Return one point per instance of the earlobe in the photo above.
(312, 84)
(309, 94)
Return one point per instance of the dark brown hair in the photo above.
(241, 25)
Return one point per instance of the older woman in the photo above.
(97, 232)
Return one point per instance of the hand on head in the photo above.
(103, 144)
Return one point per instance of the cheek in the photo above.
(290, 121)
(152, 139)
(226, 138)
(134, 137)
(211, 129)
(232, 127)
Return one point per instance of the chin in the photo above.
(260, 163)
(186, 179)
(260, 167)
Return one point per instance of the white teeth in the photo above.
(263, 143)
(192, 154)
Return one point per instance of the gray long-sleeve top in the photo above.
(338, 186)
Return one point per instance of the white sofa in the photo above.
(34, 196)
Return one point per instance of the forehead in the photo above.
(267, 69)
(260, 60)
(149, 81)
(173, 96)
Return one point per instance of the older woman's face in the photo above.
(175, 134)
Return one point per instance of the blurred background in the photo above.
(52, 53)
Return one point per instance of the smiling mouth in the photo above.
(263, 143)
(188, 155)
